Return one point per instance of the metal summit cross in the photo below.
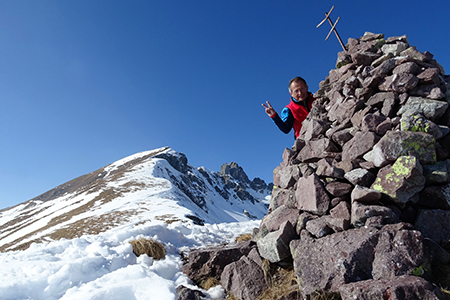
(333, 27)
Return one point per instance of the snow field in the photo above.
(104, 266)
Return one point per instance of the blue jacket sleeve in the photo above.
(285, 122)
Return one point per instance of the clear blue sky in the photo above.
(85, 83)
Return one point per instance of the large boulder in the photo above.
(397, 288)
(327, 263)
(401, 143)
(205, 263)
(275, 245)
(244, 279)
(402, 181)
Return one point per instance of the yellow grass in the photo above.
(244, 237)
(150, 247)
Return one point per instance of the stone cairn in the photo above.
(361, 202)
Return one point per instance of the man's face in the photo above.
(299, 90)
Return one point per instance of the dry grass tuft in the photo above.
(244, 237)
(326, 296)
(446, 294)
(232, 297)
(150, 247)
(281, 281)
(209, 283)
(441, 274)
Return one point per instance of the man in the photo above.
(293, 115)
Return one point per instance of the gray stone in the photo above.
(185, 293)
(364, 58)
(357, 117)
(343, 136)
(386, 83)
(370, 36)
(345, 165)
(312, 128)
(431, 109)
(418, 123)
(275, 246)
(402, 181)
(288, 155)
(394, 39)
(344, 109)
(360, 176)
(337, 224)
(382, 59)
(378, 99)
(428, 91)
(399, 143)
(395, 49)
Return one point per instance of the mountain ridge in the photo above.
(157, 184)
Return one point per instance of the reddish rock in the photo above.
(361, 213)
(209, 262)
(317, 149)
(359, 145)
(353, 255)
(398, 288)
(273, 220)
(311, 195)
(365, 195)
(338, 189)
(244, 279)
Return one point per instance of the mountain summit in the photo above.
(153, 185)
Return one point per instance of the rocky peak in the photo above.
(235, 171)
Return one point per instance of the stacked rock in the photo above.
(361, 202)
(370, 161)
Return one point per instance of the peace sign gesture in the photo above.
(269, 109)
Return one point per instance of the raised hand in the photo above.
(269, 109)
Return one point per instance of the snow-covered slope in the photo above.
(157, 185)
